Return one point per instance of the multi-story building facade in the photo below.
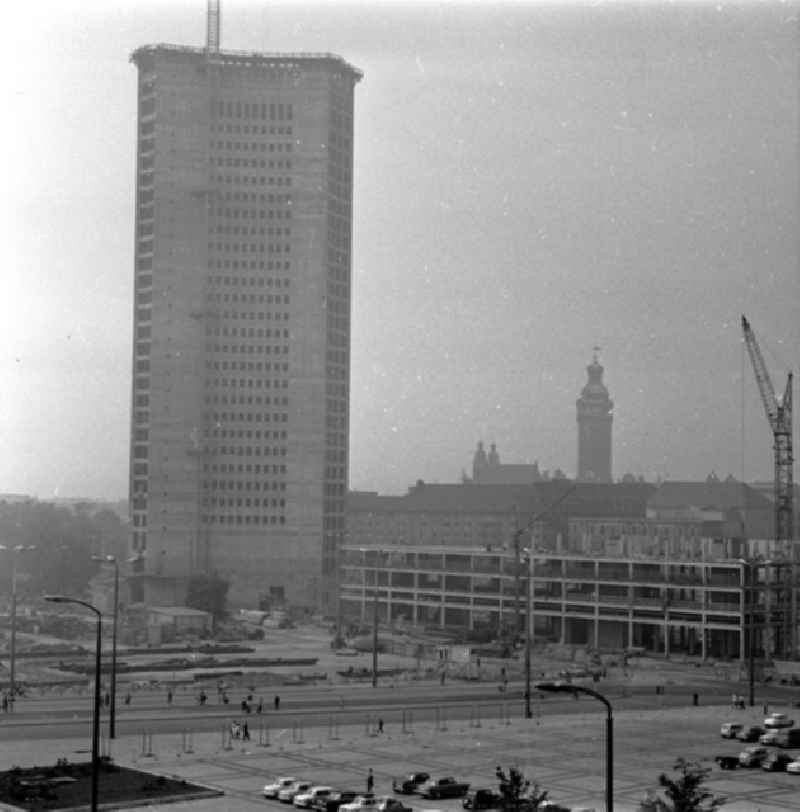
(703, 605)
(594, 415)
(689, 567)
(239, 437)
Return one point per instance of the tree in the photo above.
(686, 792)
(517, 791)
(208, 593)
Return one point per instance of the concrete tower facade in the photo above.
(240, 403)
(594, 414)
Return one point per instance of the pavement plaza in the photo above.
(564, 754)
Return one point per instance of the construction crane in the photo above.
(212, 26)
(779, 416)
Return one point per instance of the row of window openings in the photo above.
(247, 383)
(252, 146)
(248, 298)
(252, 248)
(249, 281)
(238, 485)
(243, 417)
(140, 451)
(255, 180)
(140, 521)
(253, 214)
(248, 349)
(221, 519)
(242, 501)
(236, 163)
(266, 111)
(251, 332)
(230, 468)
(248, 129)
(252, 264)
(250, 231)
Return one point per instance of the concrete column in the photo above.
(703, 642)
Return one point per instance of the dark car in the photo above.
(727, 762)
(409, 783)
(446, 787)
(482, 799)
(750, 734)
(335, 800)
(776, 762)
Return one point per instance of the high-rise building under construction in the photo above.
(240, 402)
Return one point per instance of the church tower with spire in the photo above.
(594, 413)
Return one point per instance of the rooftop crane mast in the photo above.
(779, 416)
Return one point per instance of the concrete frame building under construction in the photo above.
(240, 402)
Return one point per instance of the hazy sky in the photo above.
(530, 180)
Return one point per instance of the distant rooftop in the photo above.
(228, 57)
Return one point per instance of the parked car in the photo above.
(335, 800)
(753, 756)
(778, 720)
(730, 730)
(793, 767)
(282, 782)
(446, 787)
(749, 734)
(286, 795)
(389, 804)
(409, 783)
(362, 803)
(305, 800)
(776, 762)
(727, 762)
(482, 799)
(791, 737)
(774, 737)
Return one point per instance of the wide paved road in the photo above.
(43, 717)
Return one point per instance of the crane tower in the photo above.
(779, 417)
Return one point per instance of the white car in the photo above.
(305, 800)
(730, 729)
(773, 737)
(793, 767)
(361, 804)
(778, 720)
(287, 794)
(282, 782)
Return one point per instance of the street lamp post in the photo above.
(568, 688)
(528, 636)
(12, 684)
(751, 583)
(96, 717)
(112, 717)
(375, 634)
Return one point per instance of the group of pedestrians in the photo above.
(239, 730)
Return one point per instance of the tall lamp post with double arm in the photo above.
(569, 688)
(14, 552)
(96, 715)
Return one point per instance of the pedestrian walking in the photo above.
(380, 725)
(245, 732)
(277, 702)
(370, 780)
(5, 703)
(260, 706)
(128, 698)
(169, 696)
(225, 699)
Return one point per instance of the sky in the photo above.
(531, 180)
